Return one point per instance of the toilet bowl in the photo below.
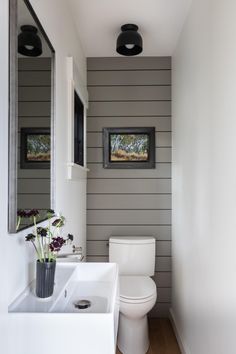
(137, 297)
(136, 259)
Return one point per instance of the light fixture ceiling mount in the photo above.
(129, 41)
(29, 43)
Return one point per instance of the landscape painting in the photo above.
(38, 147)
(35, 148)
(129, 147)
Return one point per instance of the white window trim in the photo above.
(75, 83)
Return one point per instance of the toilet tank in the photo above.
(134, 255)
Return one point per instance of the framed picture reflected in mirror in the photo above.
(35, 148)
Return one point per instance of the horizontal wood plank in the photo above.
(101, 248)
(129, 217)
(34, 64)
(33, 173)
(163, 279)
(35, 109)
(32, 201)
(106, 201)
(98, 123)
(137, 108)
(104, 232)
(129, 63)
(34, 94)
(141, 186)
(33, 186)
(129, 77)
(34, 122)
(163, 295)
(97, 171)
(129, 93)
(163, 264)
(34, 78)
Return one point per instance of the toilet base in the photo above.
(133, 335)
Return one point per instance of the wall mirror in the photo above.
(31, 102)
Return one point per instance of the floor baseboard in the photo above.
(177, 333)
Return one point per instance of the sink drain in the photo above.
(82, 304)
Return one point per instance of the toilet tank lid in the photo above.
(132, 239)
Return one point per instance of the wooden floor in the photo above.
(162, 338)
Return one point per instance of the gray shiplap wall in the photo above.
(34, 96)
(126, 92)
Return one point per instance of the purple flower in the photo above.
(21, 213)
(70, 237)
(30, 237)
(27, 213)
(34, 212)
(58, 222)
(42, 231)
(50, 213)
(56, 244)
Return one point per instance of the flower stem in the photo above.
(40, 253)
(50, 238)
(35, 249)
(18, 223)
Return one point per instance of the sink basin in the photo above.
(80, 317)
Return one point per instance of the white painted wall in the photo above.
(15, 255)
(204, 179)
(3, 174)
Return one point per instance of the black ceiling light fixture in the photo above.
(129, 41)
(29, 43)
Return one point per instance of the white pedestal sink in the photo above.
(56, 326)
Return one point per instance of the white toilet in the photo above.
(136, 259)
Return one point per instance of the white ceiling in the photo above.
(98, 23)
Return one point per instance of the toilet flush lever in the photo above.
(77, 249)
(76, 253)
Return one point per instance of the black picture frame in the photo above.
(148, 163)
(25, 163)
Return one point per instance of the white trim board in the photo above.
(74, 171)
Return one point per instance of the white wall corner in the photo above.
(182, 345)
(78, 83)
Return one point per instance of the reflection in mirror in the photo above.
(34, 119)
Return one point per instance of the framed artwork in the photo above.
(129, 147)
(35, 151)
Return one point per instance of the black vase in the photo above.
(45, 274)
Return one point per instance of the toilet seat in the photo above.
(136, 289)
